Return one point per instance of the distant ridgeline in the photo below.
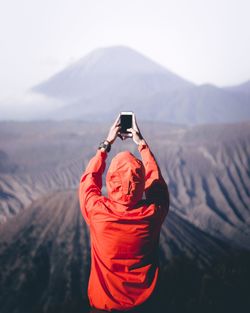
(113, 79)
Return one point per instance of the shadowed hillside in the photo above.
(44, 242)
(45, 257)
(207, 168)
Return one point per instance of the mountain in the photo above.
(113, 79)
(115, 70)
(204, 104)
(207, 168)
(106, 80)
(45, 254)
(44, 242)
(243, 88)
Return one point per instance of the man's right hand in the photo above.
(136, 134)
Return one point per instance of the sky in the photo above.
(204, 41)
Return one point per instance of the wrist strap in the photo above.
(106, 145)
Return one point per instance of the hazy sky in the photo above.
(201, 40)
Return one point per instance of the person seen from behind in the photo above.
(124, 226)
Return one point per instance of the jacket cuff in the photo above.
(102, 154)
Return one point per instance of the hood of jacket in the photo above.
(125, 179)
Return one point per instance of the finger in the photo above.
(131, 130)
(117, 120)
(117, 129)
(135, 123)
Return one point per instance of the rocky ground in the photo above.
(44, 242)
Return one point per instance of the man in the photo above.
(124, 227)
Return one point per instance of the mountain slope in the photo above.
(106, 69)
(204, 104)
(44, 242)
(243, 88)
(118, 78)
(207, 168)
(45, 254)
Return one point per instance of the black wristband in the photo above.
(106, 145)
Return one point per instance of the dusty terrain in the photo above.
(44, 242)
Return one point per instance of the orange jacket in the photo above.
(124, 228)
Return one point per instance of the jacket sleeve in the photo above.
(91, 184)
(156, 189)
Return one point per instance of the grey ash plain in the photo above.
(44, 242)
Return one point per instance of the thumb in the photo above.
(131, 130)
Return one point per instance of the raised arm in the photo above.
(91, 180)
(91, 183)
(156, 189)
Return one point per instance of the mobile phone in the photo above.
(126, 119)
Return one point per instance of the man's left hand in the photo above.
(114, 129)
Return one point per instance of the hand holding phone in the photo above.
(136, 134)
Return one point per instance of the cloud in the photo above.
(28, 106)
